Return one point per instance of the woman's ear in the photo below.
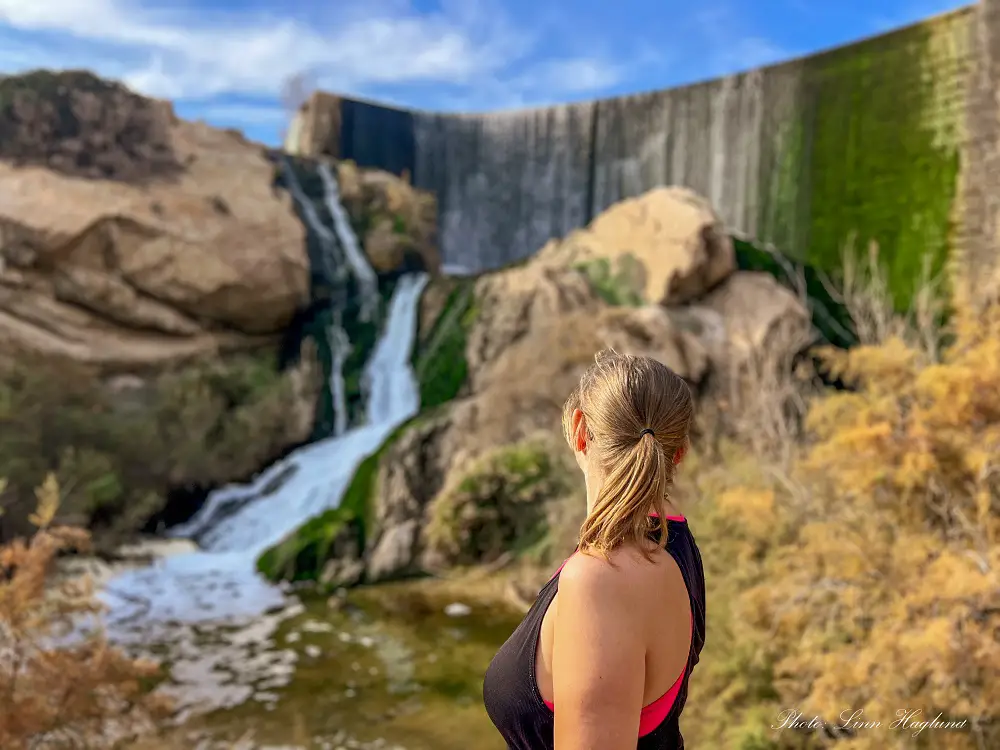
(679, 455)
(579, 431)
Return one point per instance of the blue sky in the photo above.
(228, 61)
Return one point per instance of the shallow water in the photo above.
(384, 662)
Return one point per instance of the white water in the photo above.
(340, 348)
(336, 273)
(356, 258)
(219, 583)
(335, 270)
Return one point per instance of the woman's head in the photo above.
(627, 422)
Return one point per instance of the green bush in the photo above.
(500, 504)
(118, 453)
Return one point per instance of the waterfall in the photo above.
(335, 270)
(355, 256)
(238, 522)
(340, 349)
(335, 273)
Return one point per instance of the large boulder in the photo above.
(748, 315)
(109, 269)
(669, 245)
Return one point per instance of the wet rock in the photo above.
(408, 479)
(457, 609)
(342, 572)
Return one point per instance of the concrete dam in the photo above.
(859, 143)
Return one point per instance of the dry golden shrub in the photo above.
(60, 688)
(867, 576)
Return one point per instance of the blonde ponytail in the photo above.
(638, 413)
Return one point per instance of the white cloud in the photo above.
(194, 54)
(573, 75)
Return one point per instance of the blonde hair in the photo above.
(621, 396)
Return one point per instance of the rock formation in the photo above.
(121, 274)
(671, 235)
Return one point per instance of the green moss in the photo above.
(785, 202)
(828, 315)
(440, 365)
(302, 555)
(399, 225)
(882, 154)
(620, 285)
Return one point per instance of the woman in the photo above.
(603, 657)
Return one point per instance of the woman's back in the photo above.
(519, 687)
(603, 657)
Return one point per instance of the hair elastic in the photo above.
(647, 430)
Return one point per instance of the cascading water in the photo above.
(364, 275)
(238, 522)
(340, 348)
(335, 273)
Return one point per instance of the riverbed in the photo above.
(395, 666)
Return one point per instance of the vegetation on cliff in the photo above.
(79, 124)
(60, 692)
(439, 364)
(119, 448)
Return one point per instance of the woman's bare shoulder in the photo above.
(625, 572)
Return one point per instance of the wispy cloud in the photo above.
(229, 66)
(194, 54)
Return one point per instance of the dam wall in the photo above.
(859, 143)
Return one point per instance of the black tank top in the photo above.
(510, 690)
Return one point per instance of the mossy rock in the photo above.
(499, 504)
(338, 533)
(440, 364)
